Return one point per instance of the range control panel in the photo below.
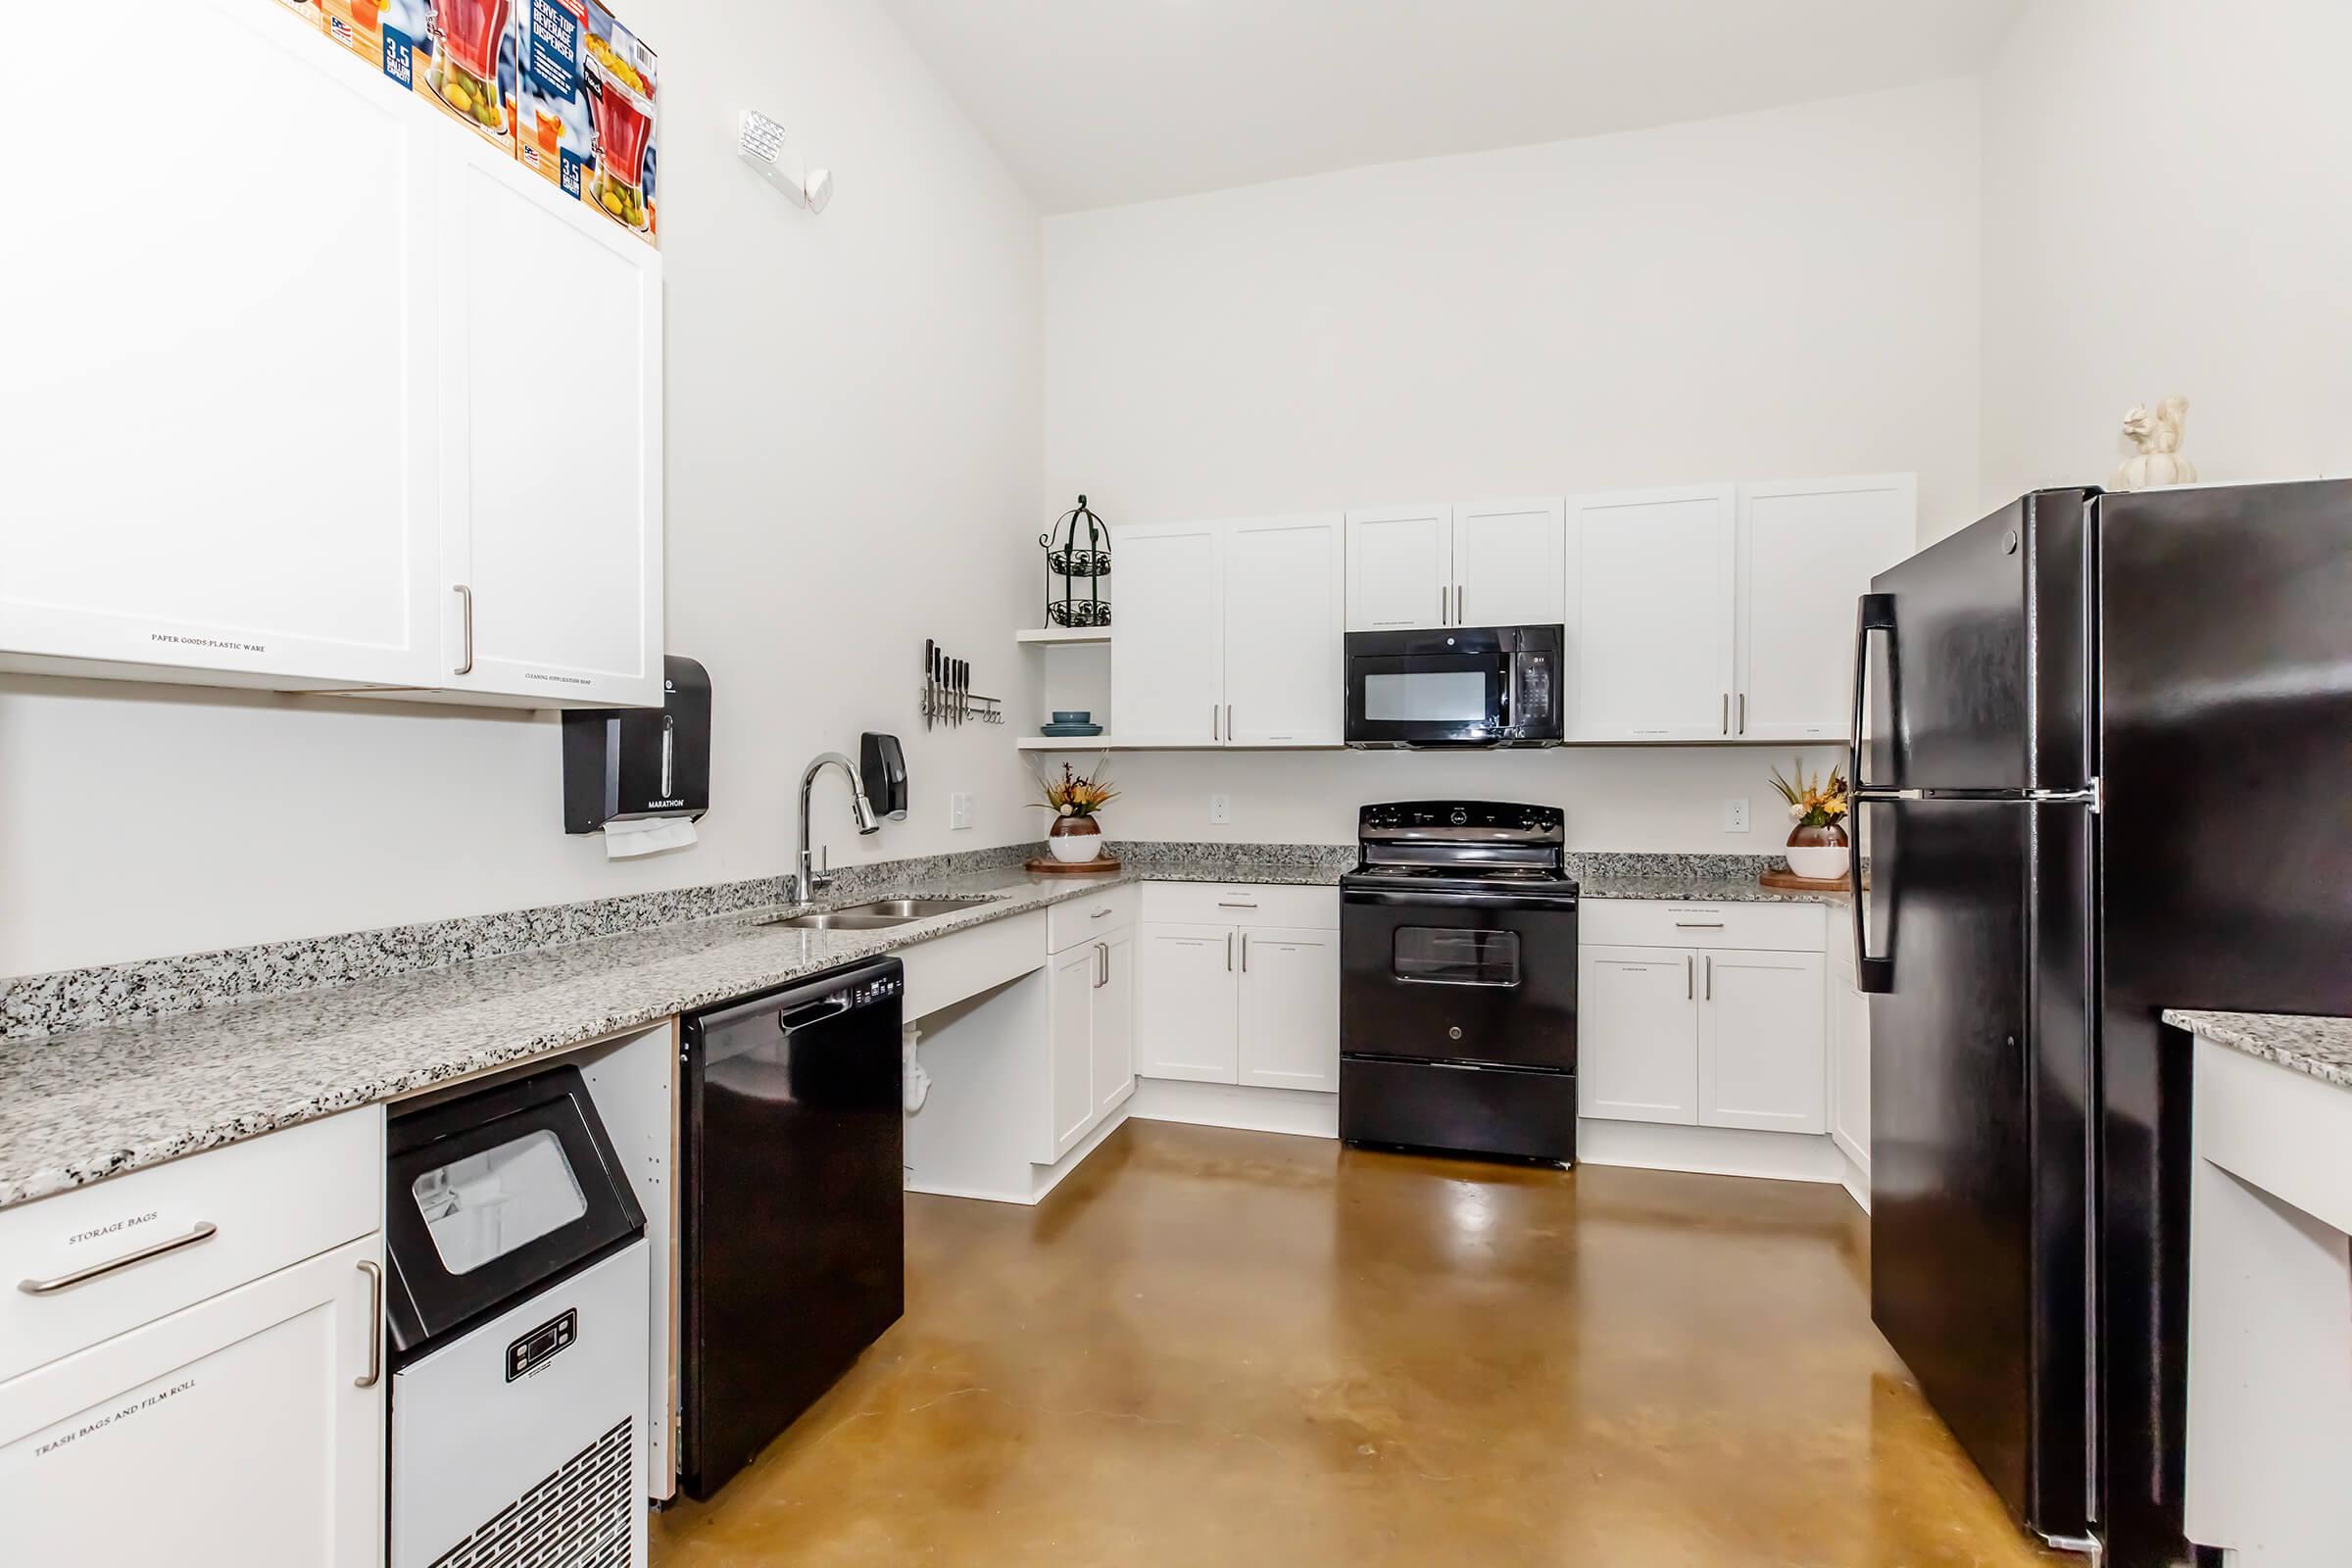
(1485, 816)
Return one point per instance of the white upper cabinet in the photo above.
(1167, 635)
(1650, 578)
(1807, 550)
(278, 407)
(1399, 569)
(1283, 632)
(1508, 561)
(218, 418)
(550, 441)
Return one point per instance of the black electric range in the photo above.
(1457, 990)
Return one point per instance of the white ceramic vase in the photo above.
(1821, 862)
(1073, 845)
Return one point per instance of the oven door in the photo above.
(1464, 977)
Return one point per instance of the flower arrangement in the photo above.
(1077, 794)
(1813, 802)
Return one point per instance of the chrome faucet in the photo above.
(812, 880)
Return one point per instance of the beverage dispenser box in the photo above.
(553, 130)
(359, 25)
(621, 79)
(468, 67)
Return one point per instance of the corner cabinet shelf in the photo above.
(1071, 666)
(1064, 635)
(1065, 743)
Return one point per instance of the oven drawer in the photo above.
(238, 1213)
(1472, 1110)
(1249, 904)
(1643, 924)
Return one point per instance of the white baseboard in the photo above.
(1299, 1112)
(1709, 1151)
(1855, 1179)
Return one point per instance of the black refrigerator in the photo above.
(2102, 756)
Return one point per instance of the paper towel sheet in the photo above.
(651, 835)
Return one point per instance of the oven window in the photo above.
(487, 1205)
(1450, 696)
(1443, 955)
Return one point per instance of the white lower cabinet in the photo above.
(1240, 999)
(1701, 1037)
(1187, 1015)
(246, 1431)
(1290, 1009)
(1760, 1042)
(1091, 1056)
(1636, 1036)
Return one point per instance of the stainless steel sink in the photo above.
(878, 915)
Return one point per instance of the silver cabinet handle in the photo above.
(204, 1231)
(376, 1325)
(1727, 712)
(1101, 964)
(1228, 724)
(1441, 603)
(1710, 963)
(1689, 978)
(1461, 617)
(1100, 914)
(465, 598)
(1224, 904)
(1741, 727)
(1245, 952)
(1212, 722)
(1229, 953)
(1698, 925)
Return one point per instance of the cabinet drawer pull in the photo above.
(204, 1231)
(1100, 914)
(1698, 925)
(376, 1325)
(1225, 904)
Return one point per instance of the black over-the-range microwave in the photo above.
(1455, 686)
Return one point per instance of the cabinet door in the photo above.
(1807, 550)
(233, 1433)
(217, 415)
(1761, 1044)
(1649, 581)
(1113, 1020)
(1285, 646)
(1510, 564)
(1399, 569)
(1184, 1003)
(551, 418)
(1848, 1028)
(1636, 1034)
(1070, 1047)
(1290, 1013)
(1167, 634)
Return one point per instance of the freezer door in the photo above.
(1979, 1055)
(1975, 657)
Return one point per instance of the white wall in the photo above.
(2165, 211)
(854, 428)
(1774, 295)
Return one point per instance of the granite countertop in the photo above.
(2316, 1046)
(81, 1105)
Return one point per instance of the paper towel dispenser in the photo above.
(882, 773)
(625, 764)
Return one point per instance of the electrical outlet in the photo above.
(960, 812)
(1220, 808)
(1735, 817)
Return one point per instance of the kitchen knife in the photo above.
(930, 680)
(963, 687)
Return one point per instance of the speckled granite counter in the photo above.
(191, 1069)
(2319, 1047)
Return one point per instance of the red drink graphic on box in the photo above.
(620, 76)
(466, 35)
(553, 128)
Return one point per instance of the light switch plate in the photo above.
(1220, 808)
(960, 811)
(1735, 817)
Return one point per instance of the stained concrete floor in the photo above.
(1235, 1349)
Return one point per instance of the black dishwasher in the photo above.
(794, 1230)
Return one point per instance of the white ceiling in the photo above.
(1094, 103)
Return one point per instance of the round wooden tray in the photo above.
(1790, 882)
(1047, 865)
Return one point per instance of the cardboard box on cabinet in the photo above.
(466, 63)
(622, 83)
(555, 133)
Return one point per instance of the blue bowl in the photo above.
(1073, 717)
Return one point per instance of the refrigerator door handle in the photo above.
(1874, 975)
(1873, 612)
